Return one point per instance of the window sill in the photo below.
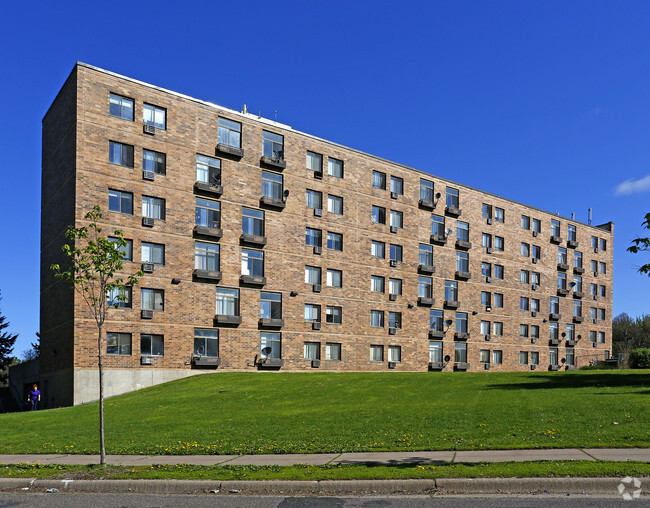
(252, 280)
(426, 204)
(463, 275)
(426, 302)
(428, 269)
(556, 239)
(272, 202)
(436, 334)
(461, 336)
(224, 319)
(452, 304)
(453, 211)
(554, 316)
(271, 323)
(253, 239)
(222, 148)
(562, 266)
(217, 190)
(463, 245)
(440, 240)
(206, 275)
(208, 231)
(273, 163)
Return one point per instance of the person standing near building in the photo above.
(34, 397)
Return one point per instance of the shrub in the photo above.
(600, 366)
(640, 358)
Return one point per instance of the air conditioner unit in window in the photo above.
(593, 344)
(486, 366)
(488, 279)
(148, 221)
(146, 314)
(318, 175)
(318, 212)
(393, 263)
(148, 175)
(392, 331)
(316, 288)
(596, 250)
(146, 360)
(149, 129)
(595, 274)
(489, 250)
(489, 221)
(487, 337)
(533, 367)
(392, 297)
(393, 195)
(318, 249)
(533, 313)
(595, 321)
(315, 364)
(534, 287)
(533, 340)
(147, 267)
(393, 229)
(534, 260)
(315, 325)
(535, 233)
(391, 365)
(595, 297)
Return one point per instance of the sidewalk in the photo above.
(317, 459)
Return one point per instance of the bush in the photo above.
(640, 358)
(600, 366)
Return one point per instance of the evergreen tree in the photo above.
(7, 342)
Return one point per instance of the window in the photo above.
(497, 329)
(314, 199)
(378, 214)
(395, 320)
(396, 219)
(152, 345)
(436, 321)
(554, 305)
(272, 185)
(525, 222)
(379, 180)
(523, 331)
(601, 314)
(577, 284)
(435, 351)
(592, 336)
(121, 107)
(577, 259)
(561, 281)
(594, 289)
(523, 357)
(121, 154)
(553, 331)
(312, 350)
(313, 237)
(426, 255)
(396, 185)
(438, 226)
(312, 313)
(335, 167)
(332, 351)
(377, 318)
(497, 299)
(426, 190)
(534, 358)
(486, 240)
(252, 222)
(485, 328)
(395, 354)
(334, 278)
(395, 286)
(498, 243)
(603, 244)
(152, 253)
(270, 345)
(152, 299)
(487, 211)
(272, 145)
(156, 162)
(462, 262)
(602, 267)
(570, 332)
(484, 356)
(451, 291)
(594, 313)
(497, 357)
(594, 242)
(229, 133)
(118, 343)
(461, 322)
(208, 170)
(227, 302)
(376, 353)
(312, 275)
(153, 115)
(119, 299)
(534, 331)
(335, 204)
(462, 231)
(571, 233)
(333, 314)
(537, 252)
(525, 249)
(498, 271)
(601, 337)
(555, 227)
(452, 198)
(377, 284)
(561, 255)
(603, 291)
(552, 356)
(119, 201)
(126, 249)
(208, 213)
(537, 225)
(535, 278)
(153, 208)
(395, 252)
(534, 304)
(378, 249)
(486, 298)
(271, 305)
(334, 241)
(206, 256)
(524, 303)
(499, 214)
(315, 162)
(206, 342)
(525, 277)
(252, 262)
(460, 352)
(594, 266)
(570, 357)
(425, 287)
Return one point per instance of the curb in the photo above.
(442, 486)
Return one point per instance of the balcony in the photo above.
(206, 276)
(253, 239)
(227, 319)
(426, 204)
(578, 319)
(270, 202)
(562, 291)
(556, 239)
(578, 294)
(206, 188)
(562, 267)
(233, 151)
(578, 270)
(273, 162)
(436, 334)
(438, 239)
(271, 323)
(461, 335)
(252, 280)
(452, 211)
(452, 304)
(207, 231)
(426, 269)
(463, 245)
(572, 244)
(463, 275)
(554, 316)
(425, 301)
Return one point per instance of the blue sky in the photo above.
(541, 102)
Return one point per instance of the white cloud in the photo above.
(632, 186)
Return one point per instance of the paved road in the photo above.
(160, 501)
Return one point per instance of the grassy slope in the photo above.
(327, 412)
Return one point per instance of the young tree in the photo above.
(7, 342)
(92, 264)
(642, 244)
(33, 352)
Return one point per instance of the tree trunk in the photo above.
(102, 445)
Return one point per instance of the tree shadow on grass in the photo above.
(579, 380)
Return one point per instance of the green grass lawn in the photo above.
(233, 413)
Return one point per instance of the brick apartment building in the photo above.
(265, 248)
